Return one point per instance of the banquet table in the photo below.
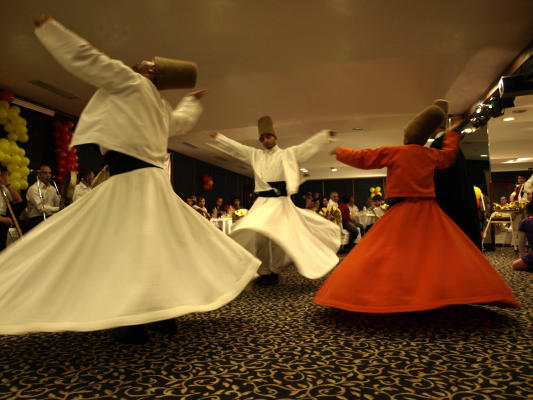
(364, 217)
(224, 224)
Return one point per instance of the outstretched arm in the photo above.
(81, 59)
(366, 158)
(313, 145)
(236, 149)
(445, 158)
(186, 113)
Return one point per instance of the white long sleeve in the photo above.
(185, 116)
(311, 146)
(236, 149)
(82, 60)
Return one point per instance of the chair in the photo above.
(501, 218)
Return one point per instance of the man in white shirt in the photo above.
(8, 194)
(84, 186)
(333, 200)
(42, 197)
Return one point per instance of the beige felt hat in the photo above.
(443, 104)
(264, 125)
(174, 74)
(420, 128)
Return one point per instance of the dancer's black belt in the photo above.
(279, 190)
(120, 163)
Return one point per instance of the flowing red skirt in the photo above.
(414, 258)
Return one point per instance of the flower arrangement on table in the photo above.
(332, 214)
(238, 214)
(514, 206)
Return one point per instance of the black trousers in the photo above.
(354, 232)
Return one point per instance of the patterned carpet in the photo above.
(274, 343)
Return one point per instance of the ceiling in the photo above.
(512, 140)
(337, 64)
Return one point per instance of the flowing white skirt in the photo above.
(129, 252)
(296, 235)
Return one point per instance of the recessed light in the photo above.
(520, 111)
(357, 129)
(304, 170)
(333, 169)
(431, 140)
(484, 155)
(467, 130)
(509, 119)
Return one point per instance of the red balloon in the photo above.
(60, 172)
(57, 125)
(76, 165)
(7, 95)
(61, 162)
(206, 187)
(69, 124)
(74, 150)
(64, 130)
(57, 135)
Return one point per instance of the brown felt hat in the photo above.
(443, 104)
(264, 125)
(420, 128)
(174, 74)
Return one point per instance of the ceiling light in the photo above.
(509, 119)
(484, 155)
(467, 130)
(431, 140)
(304, 170)
(333, 169)
(518, 160)
(357, 129)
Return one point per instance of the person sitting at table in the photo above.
(324, 202)
(333, 200)
(354, 210)
(13, 197)
(200, 207)
(348, 224)
(525, 232)
(218, 209)
(503, 201)
(316, 205)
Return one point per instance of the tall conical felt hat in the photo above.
(423, 125)
(443, 104)
(264, 125)
(174, 74)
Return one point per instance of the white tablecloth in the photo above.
(224, 224)
(364, 218)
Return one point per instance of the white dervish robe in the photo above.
(128, 252)
(275, 230)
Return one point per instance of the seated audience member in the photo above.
(324, 202)
(316, 205)
(308, 200)
(525, 232)
(353, 211)
(46, 201)
(84, 186)
(189, 201)
(348, 224)
(519, 193)
(200, 207)
(333, 200)
(218, 209)
(316, 196)
(503, 201)
(9, 195)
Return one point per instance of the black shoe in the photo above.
(168, 327)
(267, 280)
(136, 334)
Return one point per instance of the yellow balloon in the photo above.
(21, 130)
(13, 112)
(25, 161)
(477, 191)
(23, 185)
(22, 152)
(16, 159)
(17, 185)
(10, 127)
(3, 113)
(24, 138)
(12, 136)
(4, 105)
(11, 167)
(7, 159)
(13, 147)
(14, 176)
(3, 121)
(25, 171)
